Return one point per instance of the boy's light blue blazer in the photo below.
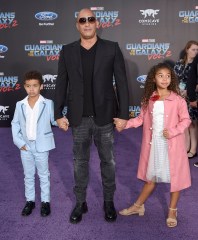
(44, 135)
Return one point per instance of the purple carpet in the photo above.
(93, 227)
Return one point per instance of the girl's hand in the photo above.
(165, 133)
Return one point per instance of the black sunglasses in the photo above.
(83, 20)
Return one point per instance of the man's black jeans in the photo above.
(103, 137)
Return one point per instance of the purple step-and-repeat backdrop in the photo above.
(33, 32)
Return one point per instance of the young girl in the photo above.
(163, 156)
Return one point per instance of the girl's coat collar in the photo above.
(171, 97)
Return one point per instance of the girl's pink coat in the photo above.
(176, 120)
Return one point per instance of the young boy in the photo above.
(32, 134)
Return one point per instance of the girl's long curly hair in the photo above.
(150, 85)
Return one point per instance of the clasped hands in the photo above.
(63, 123)
(120, 124)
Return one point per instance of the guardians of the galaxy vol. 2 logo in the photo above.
(7, 20)
(149, 48)
(46, 48)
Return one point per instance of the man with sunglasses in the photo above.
(85, 79)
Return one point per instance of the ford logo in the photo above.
(3, 49)
(46, 16)
(142, 78)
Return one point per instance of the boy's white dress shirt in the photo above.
(31, 118)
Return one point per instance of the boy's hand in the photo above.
(23, 148)
(63, 123)
(165, 133)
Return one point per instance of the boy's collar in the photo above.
(40, 99)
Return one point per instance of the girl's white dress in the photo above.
(158, 166)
